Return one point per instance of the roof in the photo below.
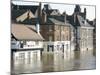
(33, 8)
(31, 27)
(30, 21)
(59, 20)
(26, 15)
(50, 12)
(22, 32)
(83, 22)
(80, 21)
(22, 17)
(55, 21)
(16, 12)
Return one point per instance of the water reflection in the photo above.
(76, 60)
(31, 62)
(47, 62)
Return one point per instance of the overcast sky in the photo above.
(69, 8)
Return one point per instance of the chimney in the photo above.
(46, 7)
(44, 17)
(65, 17)
(39, 10)
(38, 27)
(85, 16)
(85, 13)
(77, 9)
(28, 14)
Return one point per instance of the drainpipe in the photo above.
(65, 17)
(38, 28)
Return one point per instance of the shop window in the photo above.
(24, 42)
(37, 42)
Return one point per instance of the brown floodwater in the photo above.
(53, 62)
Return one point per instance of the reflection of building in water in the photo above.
(26, 44)
(26, 57)
(47, 62)
(27, 61)
(83, 60)
(77, 61)
(58, 62)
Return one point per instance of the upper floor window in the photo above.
(50, 27)
(50, 38)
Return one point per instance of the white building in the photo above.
(25, 40)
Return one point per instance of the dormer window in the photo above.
(82, 21)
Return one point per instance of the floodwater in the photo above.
(53, 62)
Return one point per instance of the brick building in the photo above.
(83, 31)
(55, 29)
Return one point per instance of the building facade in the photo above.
(61, 32)
(55, 29)
(83, 31)
(26, 43)
(25, 38)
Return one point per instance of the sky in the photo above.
(69, 8)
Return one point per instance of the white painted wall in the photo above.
(55, 43)
(32, 44)
(28, 45)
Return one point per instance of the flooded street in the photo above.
(51, 62)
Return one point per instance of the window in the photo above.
(37, 42)
(12, 39)
(63, 37)
(50, 27)
(29, 55)
(57, 37)
(67, 46)
(50, 38)
(58, 47)
(24, 42)
(82, 21)
(56, 27)
(61, 28)
(67, 37)
(13, 43)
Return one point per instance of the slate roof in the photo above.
(58, 20)
(82, 22)
(50, 11)
(16, 12)
(33, 8)
(30, 21)
(79, 19)
(70, 18)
